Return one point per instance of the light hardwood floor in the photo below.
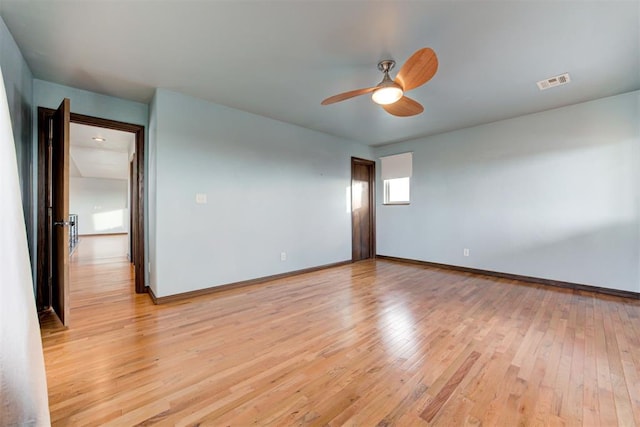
(372, 343)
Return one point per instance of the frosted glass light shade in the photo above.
(387, 95)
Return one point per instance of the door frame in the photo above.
(371, 165)
(136, 228)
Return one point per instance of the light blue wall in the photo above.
(50, 95)
(18, 79)
(271, 187)
(552, 195)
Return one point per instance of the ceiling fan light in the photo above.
(387, 95)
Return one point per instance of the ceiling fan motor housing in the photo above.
(387, 92)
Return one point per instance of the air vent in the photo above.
(562, 79)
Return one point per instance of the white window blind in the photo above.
(397, 166)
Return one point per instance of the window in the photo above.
(396, 176)
(396, 191)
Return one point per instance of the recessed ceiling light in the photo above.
(99, 139)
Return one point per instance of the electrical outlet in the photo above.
(465, 252)
(283, 256)
(201, 198)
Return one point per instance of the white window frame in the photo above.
(388, 194)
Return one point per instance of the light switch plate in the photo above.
(201, 198)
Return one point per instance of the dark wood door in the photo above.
(59, 210)
(362, 209)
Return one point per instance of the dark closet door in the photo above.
(362, 209)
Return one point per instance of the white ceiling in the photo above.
(279, 59)
(93, 159)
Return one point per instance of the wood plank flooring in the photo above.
(376, 343)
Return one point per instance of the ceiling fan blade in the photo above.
(346, 95)
(418, 69)
(404, 107)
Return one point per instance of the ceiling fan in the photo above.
(418, 70)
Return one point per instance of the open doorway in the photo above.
(98, 218)
(100, 160)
